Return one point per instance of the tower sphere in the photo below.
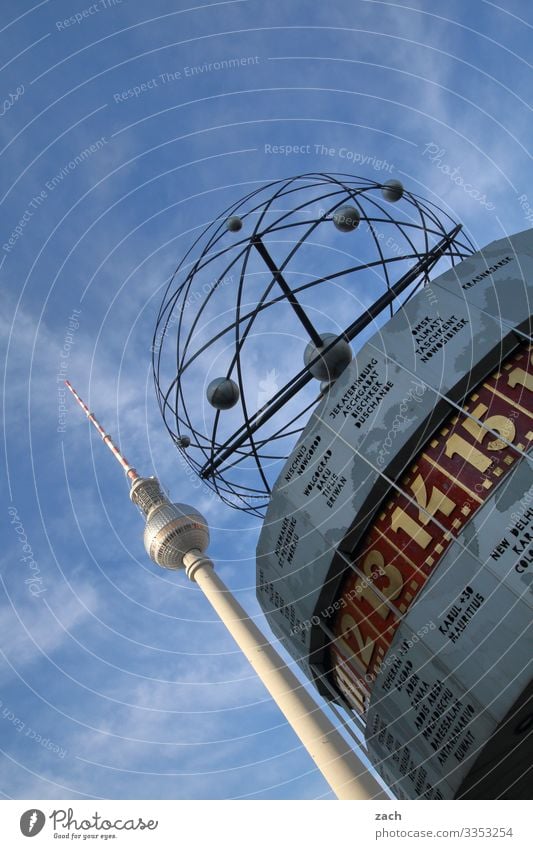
(392, 190)
(222, 393)
(234, 223)
(333, 362)
(183, 441)
(171, 531)
(346, 218)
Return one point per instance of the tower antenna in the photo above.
(131, 472)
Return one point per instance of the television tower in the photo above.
(176, 536)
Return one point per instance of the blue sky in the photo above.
(116, 680)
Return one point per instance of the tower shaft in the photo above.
(338, 763)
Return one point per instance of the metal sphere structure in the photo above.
(346, 218)
(222, 393)
(392, 191)
(332, 360)
(250, 296)
(234, 223)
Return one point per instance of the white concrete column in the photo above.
(338, 763)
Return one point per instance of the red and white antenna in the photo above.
(131, 472)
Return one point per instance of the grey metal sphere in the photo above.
(346, 218)
(333, 362)
(392, 190)
(183, 441)
(171, 531)
(222, 393)
(234, 223)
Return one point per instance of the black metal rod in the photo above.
(291, 297)
(303, 377)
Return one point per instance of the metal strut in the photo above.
(291, 297)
